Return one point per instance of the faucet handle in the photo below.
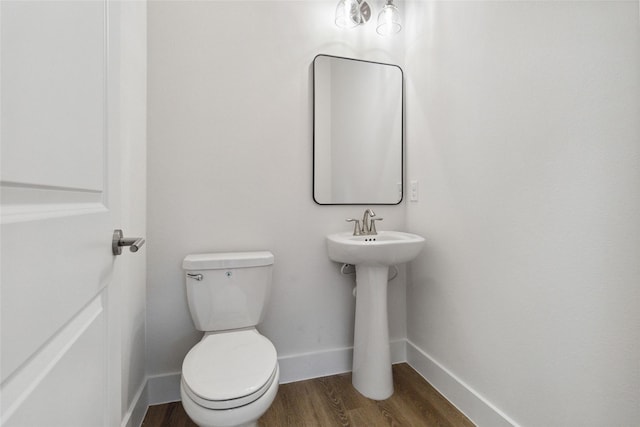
(373, 225)
(357, 229)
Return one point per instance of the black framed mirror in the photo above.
(357, 132)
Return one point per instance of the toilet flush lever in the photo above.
(197, 277)
(119, 241)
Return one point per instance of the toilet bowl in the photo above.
(230, 378)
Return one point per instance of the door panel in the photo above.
(53, 74)
(62, 377)
(58, 183)
(48, 276)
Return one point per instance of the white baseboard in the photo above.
(163, 388)
(478, 409)
(156, 390)
(138, 409)
(305, 366)
(166, 388)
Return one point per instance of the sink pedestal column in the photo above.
(372, 374)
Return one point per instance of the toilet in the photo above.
(230, 378)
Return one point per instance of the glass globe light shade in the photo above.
(347, 12)
(389, 20)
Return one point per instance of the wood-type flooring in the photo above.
(332, 401)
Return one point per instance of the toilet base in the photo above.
(244, 416)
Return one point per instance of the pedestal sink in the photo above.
(372, 255)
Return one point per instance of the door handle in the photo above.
(119, 241)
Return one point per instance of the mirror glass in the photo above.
(357, 132)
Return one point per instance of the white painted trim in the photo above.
(24, 381)
(138, 409)
(304, 366)
(23, 213)
(166, 388)
(468, 401)
(163, 388)
(299, 367)
(398, 351)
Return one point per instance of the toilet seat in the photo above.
(229, 369)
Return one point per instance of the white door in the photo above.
(59, 177)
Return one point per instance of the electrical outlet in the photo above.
(413, 191)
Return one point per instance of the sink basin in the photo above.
(372, 256)
(385, 248)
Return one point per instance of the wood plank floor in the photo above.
(332, 401)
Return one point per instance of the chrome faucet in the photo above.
(366, 221)
(368, 226)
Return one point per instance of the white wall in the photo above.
(230, 167)
(523, 130)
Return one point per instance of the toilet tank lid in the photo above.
(215, 261)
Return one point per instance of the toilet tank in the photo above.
(228, 290)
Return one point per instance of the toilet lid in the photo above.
(229, 365)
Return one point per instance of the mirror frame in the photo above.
(313, 88)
